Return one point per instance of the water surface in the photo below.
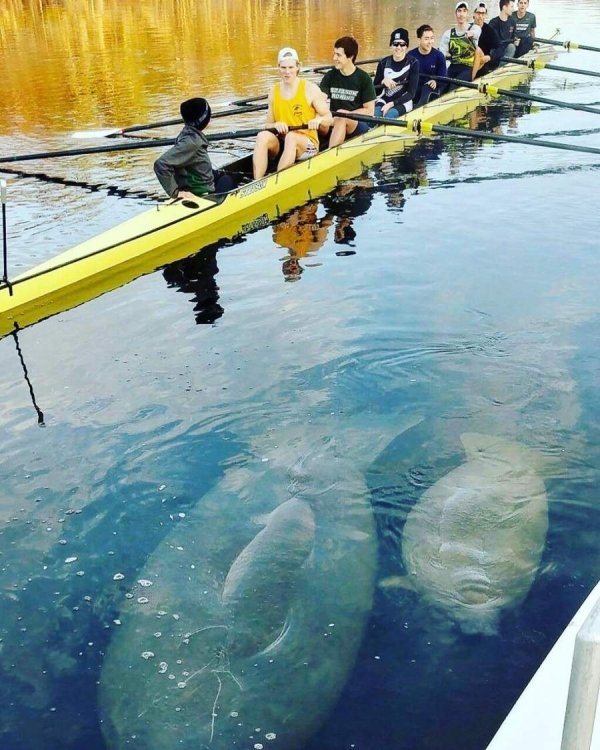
(457, 285)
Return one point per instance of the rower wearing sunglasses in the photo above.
(398, 73)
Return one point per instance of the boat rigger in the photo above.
(171, 231)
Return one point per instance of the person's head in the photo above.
(480, 13)
(291, 269)
(345, 48)
(195, 112)
(507, 6)
(426, 38)
(522, 6)
(461, 11)
(399, 42)
(288, 62)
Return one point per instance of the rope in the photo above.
(40, 413)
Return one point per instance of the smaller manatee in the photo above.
(473, 543)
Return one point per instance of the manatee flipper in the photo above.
(261, 582)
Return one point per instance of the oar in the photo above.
(424, 128)
(156, 143)
(567, 45)
(489, 90)
(241, 106)
(319, 69)
(539, 64)
(114, 132)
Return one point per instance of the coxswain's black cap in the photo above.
(196, 112)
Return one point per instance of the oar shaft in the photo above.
(492, 90)
(178, 121)
(422, 128)
(486, 135)
(89, 150)
(319, 69)
(157, 143)
(567, 45)
(539, 64)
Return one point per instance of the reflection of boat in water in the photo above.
(170, 231)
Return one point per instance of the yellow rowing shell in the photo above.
(169, 232)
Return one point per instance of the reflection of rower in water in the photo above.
(302, 233)
(348, 202)
(196, 275)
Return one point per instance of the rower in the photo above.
(185, 170)
(460, 45)
(431, 63)
(349, 89)
(293, 101)
(505, 26)
(489, 43)
(399, 75)
(525, 27)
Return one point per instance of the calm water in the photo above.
(453, 290)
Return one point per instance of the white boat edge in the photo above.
(536, 720)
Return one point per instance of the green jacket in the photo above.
(186, 165)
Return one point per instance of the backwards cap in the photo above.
(287, 53)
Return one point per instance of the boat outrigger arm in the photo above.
(171, 231)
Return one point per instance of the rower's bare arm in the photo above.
(368, 108)
(281, 127)
(319, 101)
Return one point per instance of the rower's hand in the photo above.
(315, 123)
(432, 84)
(386, 107)
(281, 127)
(185, 195)
(389, 83)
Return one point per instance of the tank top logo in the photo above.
(461, 49)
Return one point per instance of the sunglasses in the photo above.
(399, 44)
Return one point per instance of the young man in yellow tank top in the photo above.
(293, 101)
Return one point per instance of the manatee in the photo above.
(246, 620)
(473, 543)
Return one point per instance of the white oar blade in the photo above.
(95, 133)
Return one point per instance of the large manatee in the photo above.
(246, 620)
(472, 544)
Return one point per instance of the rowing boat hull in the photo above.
(169, 232)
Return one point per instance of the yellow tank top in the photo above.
(295, 111)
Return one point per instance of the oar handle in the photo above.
(371, 119)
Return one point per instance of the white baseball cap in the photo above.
(461, 4)
(287, 53)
